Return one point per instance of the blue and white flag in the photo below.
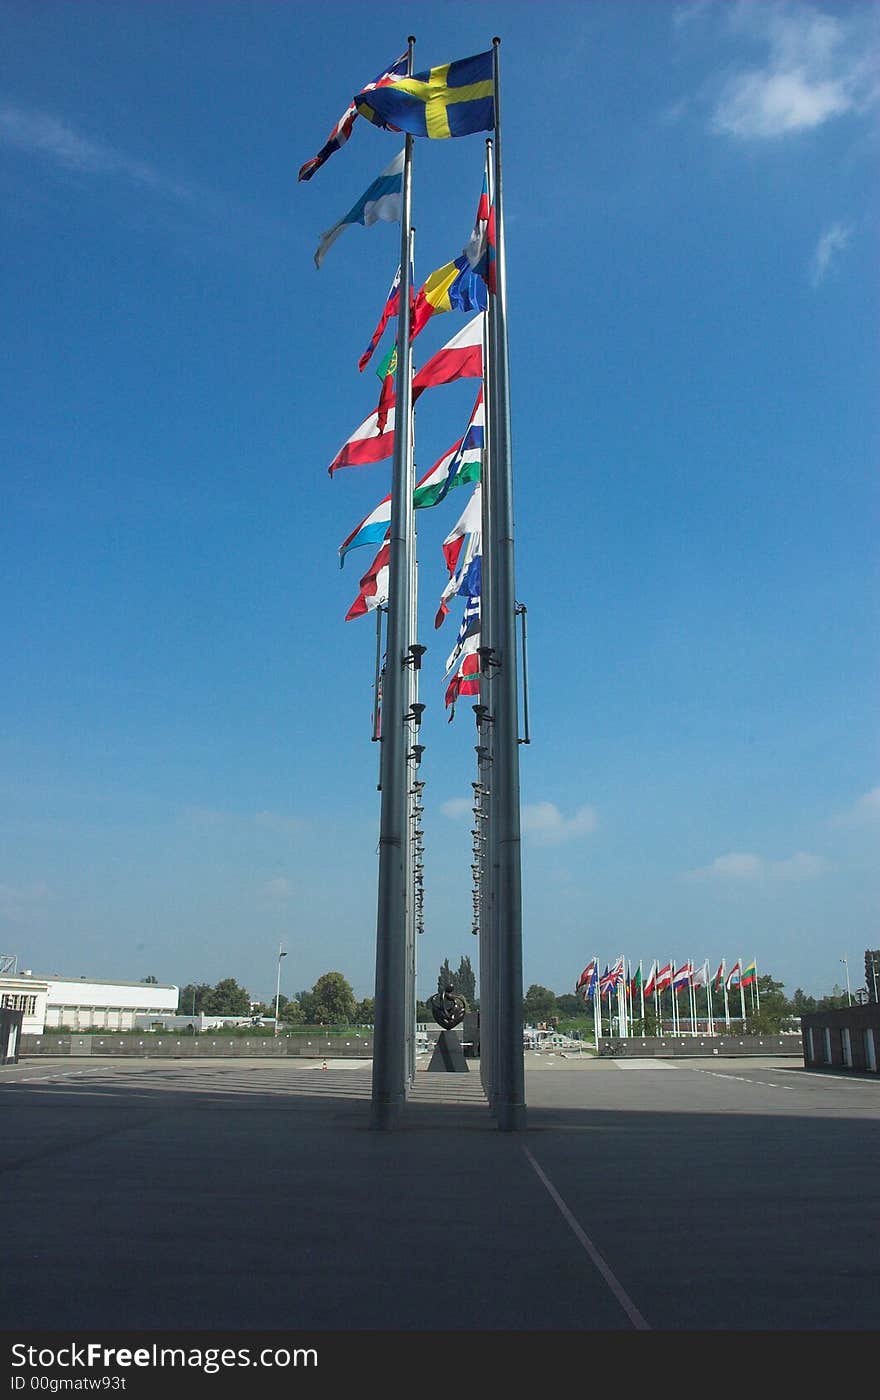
(381, 201)
(468, 638)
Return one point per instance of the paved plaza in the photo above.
(643, 1196)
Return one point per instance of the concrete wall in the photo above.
(691, 1047)
(360, 1046)
(846, 1038)
(200, 1047)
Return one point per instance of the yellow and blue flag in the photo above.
(453, 287)
(454, 99)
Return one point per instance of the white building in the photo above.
(81, 1004)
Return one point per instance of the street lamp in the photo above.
(281, 954)
(848, 992)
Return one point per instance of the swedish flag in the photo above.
(453, 100)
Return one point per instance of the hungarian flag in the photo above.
(457, 467)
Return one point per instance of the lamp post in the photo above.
(281, 954)
(848, 992)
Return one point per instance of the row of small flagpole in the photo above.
(624, 984)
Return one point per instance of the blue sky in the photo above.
(186, 773)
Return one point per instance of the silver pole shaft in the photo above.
(389, 1036)
(511, 1075)
(488, 937)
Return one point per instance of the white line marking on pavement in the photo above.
(616, 1287)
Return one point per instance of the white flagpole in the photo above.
(692, 997)
(709, 1006)
(642, 994)
(742, 997)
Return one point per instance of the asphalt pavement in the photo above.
(642, 1197)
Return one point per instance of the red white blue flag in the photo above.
(480, 247)
(342, 130)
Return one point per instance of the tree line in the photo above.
(332, 1002)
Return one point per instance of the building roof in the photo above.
(96, 981)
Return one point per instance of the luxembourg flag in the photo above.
(682, 977)
(372, 529)
(735, 974)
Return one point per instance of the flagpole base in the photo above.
(385, 1116)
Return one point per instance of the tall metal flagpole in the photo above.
(389, 1035)
(511, 1107)
(488, 890)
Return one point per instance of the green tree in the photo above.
(150, 981)
(333, 1001)
(193, 998)
(802, 1003)
(227, 998)
(365, 1012)
(571, 1005)
(463, 982)
(872, 973)
(836, 999)
(291, 1012)
(539, 1004)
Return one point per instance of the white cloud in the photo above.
(745, 867)
(832, 242)
(205, 816)
(277, 888)
(800, 866)
(18, 904)
(864, 811)
(457, 807)
(39, 133)
(816, 66)
(545, 822)
(277, 821)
